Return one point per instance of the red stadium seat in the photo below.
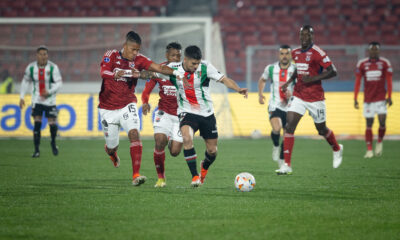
(251, 40)
(267, 39)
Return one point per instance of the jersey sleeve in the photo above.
(213, 73)
(389, 79)
(25, 82)
(265, 75)
(148, 87)
(107, 65)
(57, 80)
(143, 63)
(324, 61)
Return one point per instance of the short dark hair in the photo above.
(42, 47)
(307, 27)
(193, 52)
(285, 46)
(374, 43)
(174, 45)
(133, 37)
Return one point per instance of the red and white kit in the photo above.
(375, 73)
(166, 120)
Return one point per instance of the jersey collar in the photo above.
(120, 53)
(312, 44)
(373, 60)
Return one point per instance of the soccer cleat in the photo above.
(137, 181)
(378, 149)
(369, 154)
(284, 170)
(338, 157)
(195, 181)
(36, 154)
(114, 158)
(203, 173)
(54, 149)
(160, 183)
(275, 153)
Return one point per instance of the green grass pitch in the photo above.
(80, 195)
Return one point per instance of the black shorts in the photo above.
(280, 114)
(206, 125)
(50, 111)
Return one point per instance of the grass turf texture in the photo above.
(80, 195)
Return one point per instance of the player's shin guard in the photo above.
(208, 160)
(368, 138)
(159, 162)
(36, 135)
(275, 138)
(288, 143)
(381, 133)
(53, 132)
(331, 139)
(190, 157)
(136, 156)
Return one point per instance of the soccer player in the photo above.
(195, 108)
(166, 122)
(47, 81)
(278, 73)
(376, 71)
(117, 107)
(308, 95)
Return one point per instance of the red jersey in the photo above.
(375, 73)
(309, 62)
(167, 92)
(117, 93)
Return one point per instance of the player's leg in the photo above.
(189, 125)
(37, 112)
(51, 114)
(176, 141)
(369, 136)
(276, 125)
(110, 128)
(381, 134)
(130, 121)
(317, 111)
(161, 141)
(208, 130)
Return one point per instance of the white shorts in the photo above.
(372, 108)
(112, 120)
(317, 110)
(167, 124)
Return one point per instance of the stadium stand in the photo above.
(336, 22)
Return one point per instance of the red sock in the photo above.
(368, 138)
(136, 156)
(381, 133)
(159, 162)
(288, 142)
(331, 139)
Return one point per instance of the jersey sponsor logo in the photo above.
(118, 62)
(373, 75)
(169, 90)
(302, 66)
(106, 59)
(131, 64)
(326, 59)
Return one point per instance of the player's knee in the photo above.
(37, 126)
(174, 152)
(133, 135)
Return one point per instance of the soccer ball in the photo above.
(245, 182)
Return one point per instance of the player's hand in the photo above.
(146, 108)
(21, 103)
(261, 99)
(356, 106)
(389, 102)
(119, 74)
(243, 91)
(284, 87)
(135, 73)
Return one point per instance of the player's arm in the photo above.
(165, 71)
(107, 71)
(56, 84)
(291, 79)
(147, 75)
(329, 73)
(24, 87)
(261, 85)
(230, 83)
(389, 79)
(146, 95)
(357, 85)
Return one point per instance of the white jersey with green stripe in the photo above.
(48, 78)
(194, 97)
(278, 77)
